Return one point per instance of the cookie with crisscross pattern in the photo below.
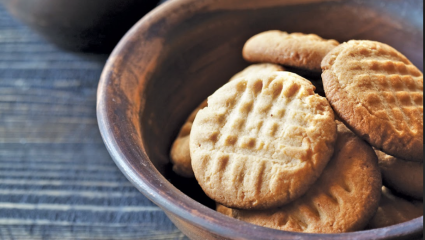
(344, 198)
(180, 154)
(378, 93)
(262, 141)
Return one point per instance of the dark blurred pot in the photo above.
(81, 25)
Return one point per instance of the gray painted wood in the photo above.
(57, 180)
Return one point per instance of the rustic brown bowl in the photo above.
(183, 51)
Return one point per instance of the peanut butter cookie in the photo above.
(378, 93)
(394, 210)
(344, 198)
(262, 141)
(300, 50)
(180, 154)
(402, 176)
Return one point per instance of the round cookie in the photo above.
(180, 153)
(404, 177)
(295, 49)
(262, 141)
(394, 210)
(378, 93)
(344, 198)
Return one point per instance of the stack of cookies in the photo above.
(272, 152)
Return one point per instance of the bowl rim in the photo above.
(162, 192)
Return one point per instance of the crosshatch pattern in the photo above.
(388, 86)
(343, 186)
(392, 90)
(180, 153)
(257, 143)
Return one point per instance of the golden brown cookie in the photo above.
(295, 50)
(378, 93)
(223, 210)
(394, 210)
(259, 68)
(402, 176)
(344, 198)
(262, 141)
(180, 154)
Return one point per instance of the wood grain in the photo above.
(57, 181)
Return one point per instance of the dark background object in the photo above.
(190, 48)
(81, 25)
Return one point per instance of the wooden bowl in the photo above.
(183, 51)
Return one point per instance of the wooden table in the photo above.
(57, 181)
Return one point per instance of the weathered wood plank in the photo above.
(57, 181)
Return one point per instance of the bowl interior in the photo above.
(202, 53)
(183, 51)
